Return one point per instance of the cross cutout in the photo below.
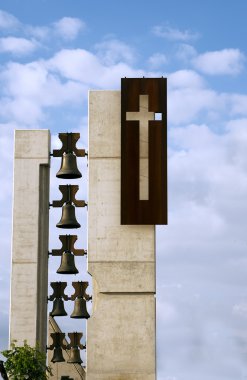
(143, 116)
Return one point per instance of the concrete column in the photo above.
(121, 260)
(29, 279)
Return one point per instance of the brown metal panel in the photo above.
(153, 210)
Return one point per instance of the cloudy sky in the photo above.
(53, 52)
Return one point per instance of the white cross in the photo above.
(143, 116)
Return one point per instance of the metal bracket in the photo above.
(69, 141)
(58, 291)
(75, 338)
(80, 290)
(68, 242)
(68, 192)
(57, 338)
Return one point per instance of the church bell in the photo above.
(57, 355)
(58, 308)
(67, 264)
(68, 167)
(68, 219)
(80, 309)
(74, 356)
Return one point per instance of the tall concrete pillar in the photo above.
(121, 260)
(29, 277)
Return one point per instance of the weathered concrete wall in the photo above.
(28, 310)
(121, 260)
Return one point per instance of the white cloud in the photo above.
(237, 142)
(81, 65)
(8, 21)
(21, 110)
(221, 62)
(185, 52)
(185, 79)
(77, 64)
(189, 98)
(113, 51)
(28, 88)
(157, 60)
(39, 32)
(17, 46)
(186, 104)
(174, 34)
(210, 168)
(34, 81)
(68, 27)
(238, 128)
(240, 309)
(166, 311)
(238, 104)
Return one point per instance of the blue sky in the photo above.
(52, 53)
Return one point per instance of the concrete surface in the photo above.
(121, 259)
(28, 309)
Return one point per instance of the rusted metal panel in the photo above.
(154, 209)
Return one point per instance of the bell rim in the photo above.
(77, 317)
(58, 315)
(68, 176)
(58, 361)
(58, 225)
(67, 272)
(74, 362)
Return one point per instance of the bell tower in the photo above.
(127, 197)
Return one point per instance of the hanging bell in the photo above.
(68, 219)
(74, 356)
(57, 355)
(68, 167)
(67, 264)
(80, 309)
(58, 308)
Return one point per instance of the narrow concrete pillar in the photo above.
(121, 260)
(29, 278)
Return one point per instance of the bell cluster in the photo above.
(67, 252)
(80, 297)
(60, 343)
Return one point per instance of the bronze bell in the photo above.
(80, 309)
(74, 356)
(68, 219)
(68, 167)
(67, 264)
(57, 355)
(58, 308)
